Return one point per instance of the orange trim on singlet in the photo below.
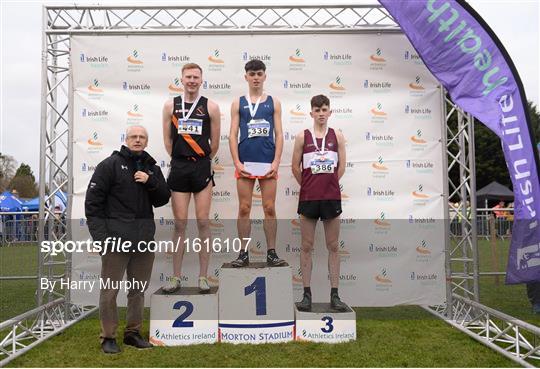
(190, 141)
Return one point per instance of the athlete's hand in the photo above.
(240, 169)
(273, 170)
(141, 177)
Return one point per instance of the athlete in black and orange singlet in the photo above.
(191, 129)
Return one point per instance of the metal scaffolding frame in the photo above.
(55, 312)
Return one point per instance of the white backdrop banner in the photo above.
(384, 100)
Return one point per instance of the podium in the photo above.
(255, 304)
(323, 324)
(185, 317)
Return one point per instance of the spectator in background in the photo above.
(1, 229)
(533, 293)
(500, 216)
(34, 222)
(496, 210)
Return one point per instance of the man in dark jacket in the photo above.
(118, 206)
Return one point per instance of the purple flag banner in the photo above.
(464, 54)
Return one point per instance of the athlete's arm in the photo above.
(278, 134)
(215, 127)
(297, 157)
(166, 122)
(342, 160)
(233, 137)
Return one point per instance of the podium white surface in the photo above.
(255, 304)
(185, 317)
(323, 324)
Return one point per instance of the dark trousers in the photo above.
(138, 266)
(533, 292)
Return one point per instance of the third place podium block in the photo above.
(322, 324)
(185, 317)
(256, 304)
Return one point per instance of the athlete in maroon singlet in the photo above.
(318, 163)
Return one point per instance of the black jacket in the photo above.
(116, 205)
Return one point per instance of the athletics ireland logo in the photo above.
(94, 87)
(134, 58)
(377, 57)
(336, 85)
(176, 86)
(214, 58)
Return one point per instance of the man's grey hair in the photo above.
(130, 128)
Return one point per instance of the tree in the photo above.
(24, 182)
(24, 170)
(25, 186)
(7, 169)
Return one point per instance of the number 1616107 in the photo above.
(217, 245)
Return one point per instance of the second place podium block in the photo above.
(184, 318)
(256, 304)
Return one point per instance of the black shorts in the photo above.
(188, 175)
(323, 209)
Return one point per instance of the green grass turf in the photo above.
(388, 337)
(17, 296)
(403, 336)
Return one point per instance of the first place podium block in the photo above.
(185, 317)
(256, 304)
(322, 324)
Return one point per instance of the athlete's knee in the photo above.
(180, 225)
(244, 210)
(202, 215)
(332, 245)
(269, 209)
(307, 245)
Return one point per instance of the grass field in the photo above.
(404, 336)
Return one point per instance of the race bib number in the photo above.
(190, 126)
(258, 128)
(322, 165)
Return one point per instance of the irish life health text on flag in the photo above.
(464, 54)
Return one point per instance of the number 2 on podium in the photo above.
(259, 287)
(180, 322)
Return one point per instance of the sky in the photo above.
(516, 23)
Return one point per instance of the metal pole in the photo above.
(68, 210)
(52, 152)
(446, 191)
(42, 150)
(463, 197)
(472, 193)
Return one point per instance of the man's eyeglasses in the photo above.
(134, 137)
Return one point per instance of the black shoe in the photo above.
(337, 304)
(273, 260)
(134, 339)
(305, 304)
(109, 346)
(242, 261)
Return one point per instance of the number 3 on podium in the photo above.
(259, 287)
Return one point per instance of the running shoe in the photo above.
(242, 261)
(203, 285)
(337, 304)
(305, 304)
(172, 286)
(273, 260)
